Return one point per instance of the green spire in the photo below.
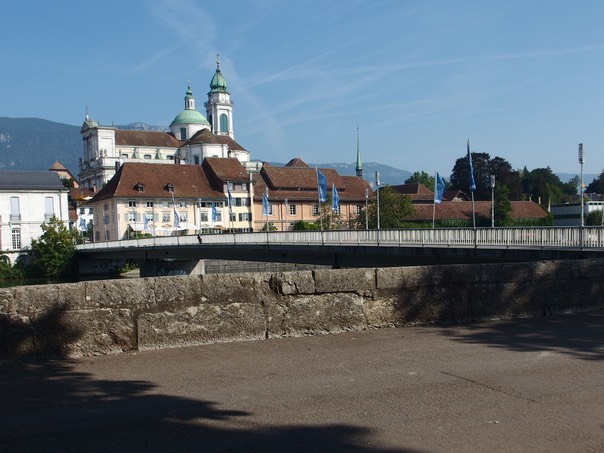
(218, 83)
(359, 167)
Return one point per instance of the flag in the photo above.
(335, 198)
(471, 170)
(146, 223)
(230, 200)
(82, 224)
(439, 189)
(322, 186)
(176, 219)
(265, 204)
(214, 216)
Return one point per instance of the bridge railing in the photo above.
(540, 237)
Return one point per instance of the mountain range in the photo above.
(35, 144)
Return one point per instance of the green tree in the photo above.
(53, 254)
(503, 207)
(394, 208)
(597, 185)
(594, 218)
(421, 178)
(484, 167)
(301, 225)
(541, 184)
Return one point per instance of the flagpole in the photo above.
(434, 202)
(319, 197)
(472, 184)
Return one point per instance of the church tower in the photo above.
(359, 167)
(189, 121)
(219, 108)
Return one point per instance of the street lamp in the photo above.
(377, 188)
(581, 161)
(492, 201)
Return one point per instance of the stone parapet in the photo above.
(109, 316)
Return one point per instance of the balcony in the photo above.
(15, 218)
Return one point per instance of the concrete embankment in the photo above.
(110, 316)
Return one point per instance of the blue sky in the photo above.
(524, 80)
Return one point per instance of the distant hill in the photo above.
(389, 176)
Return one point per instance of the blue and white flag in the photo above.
(230, 200)
(439, 189)
(322, 186)
(471, 170)
(82, 224)
(214, 216)
(146, 223)
(265, 205)
(335, 198)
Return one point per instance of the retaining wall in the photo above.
(111, 316)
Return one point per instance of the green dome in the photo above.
(190, 117)
(218, 84)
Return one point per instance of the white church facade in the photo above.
(190, 139)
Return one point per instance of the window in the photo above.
(165, 204)
(150, 216)
(244, 187)
(231, 186)
(132, 204)
(182, 204)
(124, 156)
(196, 160)
(292, 209)
(15, 210)
(224, 123)
(245, 216)
(16, 236)
(233, 217)
(149, 204)
(147, 156)
(131, 216)
(183, 133)
(91, 211)
(82, 210)
(357, 209)
(219, 217)
(315, 209)
(165, 216)
(183, 216)
(203, 217)
(242, 201)
(140, 187)
(97, 236)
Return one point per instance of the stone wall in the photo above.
(110, 316)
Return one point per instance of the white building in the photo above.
(27, 200)
(569, 214)
(191, 138)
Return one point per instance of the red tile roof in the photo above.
(462, 210)
(157, 139)
(189, 181)
(226, 169)
(206, 136)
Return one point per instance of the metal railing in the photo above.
(521, 238)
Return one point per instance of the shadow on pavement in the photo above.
(48, 406)
(579, 335)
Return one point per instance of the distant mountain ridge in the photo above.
(35, 144)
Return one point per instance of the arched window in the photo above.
(224, 124)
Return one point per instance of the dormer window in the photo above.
(170, 187)
(139, 187)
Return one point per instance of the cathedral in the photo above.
(190, 139)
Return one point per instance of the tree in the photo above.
(301, 225)
(503, 207)
(541, 184)
(421, 178)
(53, 254)
(483, 168)
(597, 185)
(594, 218)
(394, 208)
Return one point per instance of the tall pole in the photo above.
(377, 188)
(492, 201)
(581, 161)
(366, 213)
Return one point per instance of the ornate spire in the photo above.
(359, 167)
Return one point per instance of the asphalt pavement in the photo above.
(520, 385)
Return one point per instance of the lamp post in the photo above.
(581, 161)
(492, 201)
(377, 188)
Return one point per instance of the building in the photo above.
(569, 214)
(27, 200)
(162, 200)
(292, 194)
(190, 139)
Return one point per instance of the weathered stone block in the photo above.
(288, 283)
(205, 323)
(325, 313)
(488, 301)
(133, 293)
(7, 301)
(344, 280)
(240, 288)
(16, 337)
(177, 292)
(79, 333)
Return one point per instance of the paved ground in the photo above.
(525, 385)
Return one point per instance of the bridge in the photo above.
(360, 248)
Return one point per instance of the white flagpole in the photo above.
(434, 201)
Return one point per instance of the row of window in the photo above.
(15, 209)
